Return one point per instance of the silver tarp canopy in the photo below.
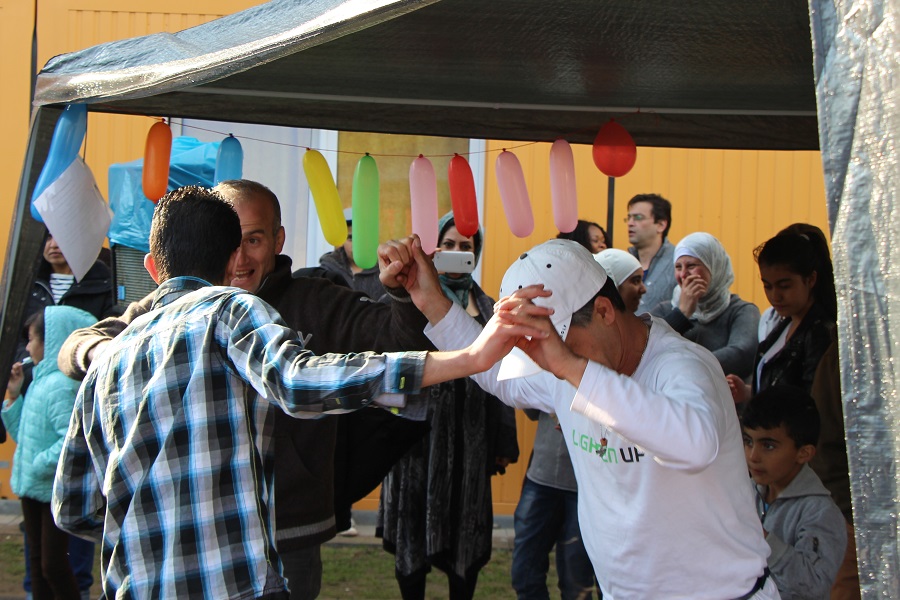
(857, 62)
(723, 74)
(697, 73)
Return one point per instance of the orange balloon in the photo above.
(614, 150)
(157, 152)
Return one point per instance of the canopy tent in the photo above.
(699, 73)
(702, 74)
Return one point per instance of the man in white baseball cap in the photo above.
(664, 501)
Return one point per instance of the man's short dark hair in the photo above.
(246, 188)
(194, 232)
(661, 209)
(583, 315)
(786, 405)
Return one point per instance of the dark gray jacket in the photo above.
(807, 537)
(731, 337)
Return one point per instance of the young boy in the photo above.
(803, 526)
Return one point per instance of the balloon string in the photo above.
(380, 154)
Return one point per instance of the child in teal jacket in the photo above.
(38, 423)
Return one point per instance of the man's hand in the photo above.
(693, 288)
(14, 385)
(547, 350)
(404, 264)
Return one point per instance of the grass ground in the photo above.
(350, 571)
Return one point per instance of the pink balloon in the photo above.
(514, 194)
(562, 186)
(424, 205)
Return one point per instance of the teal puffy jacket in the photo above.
(38, 421)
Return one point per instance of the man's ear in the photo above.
(279, 240)
(604, 309)
(150, 265)
(806, 453)
(661, 225)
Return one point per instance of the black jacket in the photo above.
(796, 363)
(330, 318)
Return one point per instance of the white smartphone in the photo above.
(454, 262)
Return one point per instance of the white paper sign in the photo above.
(76, 215)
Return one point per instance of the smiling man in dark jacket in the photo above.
(329, 318)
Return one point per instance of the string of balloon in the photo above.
(353, 152)
(614, 153)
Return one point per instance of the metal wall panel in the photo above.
(741, 197)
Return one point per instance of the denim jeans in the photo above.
(546, 516)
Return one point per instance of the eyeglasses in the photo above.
(636, 218)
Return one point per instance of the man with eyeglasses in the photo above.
(649, 219)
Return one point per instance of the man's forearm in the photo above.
(77, 351)
(434, 306)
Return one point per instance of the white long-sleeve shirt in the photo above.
(666, 510)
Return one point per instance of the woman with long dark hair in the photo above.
(588, 234)
(798, 279)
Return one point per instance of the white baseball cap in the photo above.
(567, 269)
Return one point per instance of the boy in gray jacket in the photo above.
(803, 526)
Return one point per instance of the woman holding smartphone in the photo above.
(436, 506)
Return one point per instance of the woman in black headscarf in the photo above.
(436, 507)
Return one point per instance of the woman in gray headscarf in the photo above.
(704, 310)
(436, 507)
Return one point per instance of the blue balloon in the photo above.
(64, 146)
(229, 160)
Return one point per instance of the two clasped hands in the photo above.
(517, 321)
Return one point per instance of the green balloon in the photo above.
(365, 213)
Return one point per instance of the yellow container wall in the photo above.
(741, 197)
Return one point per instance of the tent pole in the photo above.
(610, 209)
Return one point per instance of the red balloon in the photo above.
(462, 196)
(157, 152)
(614, 150)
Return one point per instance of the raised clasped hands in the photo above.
(404, 264)
(519, 310)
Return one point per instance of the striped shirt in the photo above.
(59, 285)
(169, 450)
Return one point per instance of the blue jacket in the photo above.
(38, 421)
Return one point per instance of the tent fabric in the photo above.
(856, 64)
(686, 74)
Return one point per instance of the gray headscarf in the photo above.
(708, 250)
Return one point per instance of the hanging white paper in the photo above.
(76, 215)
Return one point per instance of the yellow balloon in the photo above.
(325, 195)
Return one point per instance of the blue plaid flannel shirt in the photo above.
(168, 457)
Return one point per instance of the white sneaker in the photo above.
(350, 531)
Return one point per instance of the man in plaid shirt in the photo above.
(168, 457)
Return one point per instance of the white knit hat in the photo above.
(619, 264)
